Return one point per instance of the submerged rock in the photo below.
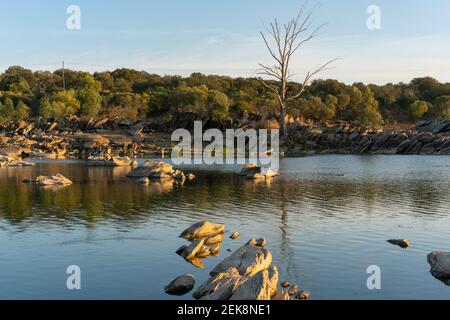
(203, 229)
(440, 264)
(400, 242)
(181, 285)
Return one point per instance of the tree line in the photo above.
(139, 95)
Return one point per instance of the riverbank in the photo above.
(108, 138)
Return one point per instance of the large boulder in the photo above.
(440, 264)
(203, 229)
(181, 285)
(219, 287)
(262, 286)
(249, 259)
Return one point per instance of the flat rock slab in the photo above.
(181, 285)
(204, 229)
(248, 260)
(440, 264)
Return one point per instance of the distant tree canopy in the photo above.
(138, 95)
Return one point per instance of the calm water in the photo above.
(326, 220)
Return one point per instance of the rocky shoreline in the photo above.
(425, 138)
(115, 142)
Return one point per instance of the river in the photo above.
(326, 220)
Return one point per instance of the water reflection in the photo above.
(326, 219)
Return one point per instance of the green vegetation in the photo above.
(138, 95)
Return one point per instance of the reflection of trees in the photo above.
(100, 194)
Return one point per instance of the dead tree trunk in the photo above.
(284, 42)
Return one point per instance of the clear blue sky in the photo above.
(222, 37)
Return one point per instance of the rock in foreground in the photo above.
(248, 260)
(181, 285)
(440, 264)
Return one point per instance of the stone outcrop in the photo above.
(247, 274)
(426, 138)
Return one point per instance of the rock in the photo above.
(215, 239)
(248, 260)
(202, 229)
(281, 295)
(219, 287)
(11, 152)
(192, 249)
(55, 180)
(253, 171)
(190, 177)
(45, 155)
(303, 295)
(204, 252)
(181, 249)
(93, 141)
(235, 235)
(440, 264)
(120, 162)
(215, 248)
(284, 284)
(293, 290)
(261, 286)
(181, 285)
(400, 242)
(153, 170)
(261, 242)
(136, 129)
(144, 180)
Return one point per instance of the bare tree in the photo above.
(283, 42)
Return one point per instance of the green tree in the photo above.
(418, 109)
(88, 94)
(441, 109)
(218, 104)
(59, 105)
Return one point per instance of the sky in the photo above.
(222, 37)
